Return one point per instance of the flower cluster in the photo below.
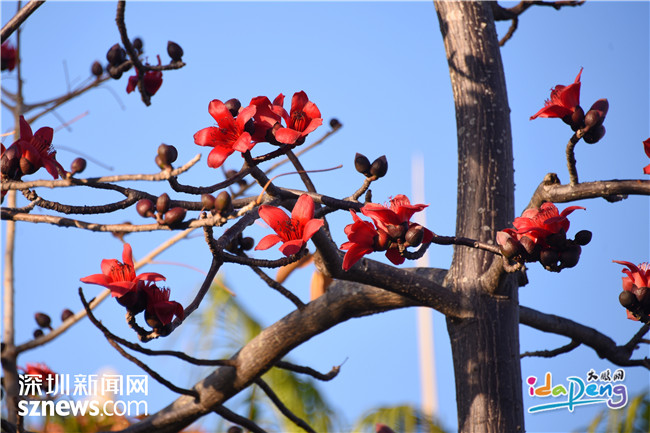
(540, 235)
(636, 290)
(392, 231)
(137, 292)
(29, 153)
(294, 231)
(565, 104)
(8, 56)
(239, 129)
(152, 80)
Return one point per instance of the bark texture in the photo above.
(485, 347)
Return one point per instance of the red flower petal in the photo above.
(311, 228)
(99, 279)
(394, 256)
(268, 241)
(274, 217)
(127, 255)
(221, 114)
(354, 254)
(292, 247)
(243, 143)
(298, 101)
(218, 155)
(207, 136)
(287, 136)
(303, 210)
(25, 130)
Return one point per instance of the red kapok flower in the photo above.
(267, 115)
(362, 239)
(159, 305)
(539, 223)
(303, 118)
(294, 231)
(37, 149)
(39, 369)
(646, 147)
(119, 277)
(229, 136)
(151, 81)
(401, 210)
(637, 282)
(564, 100)
(8, 53)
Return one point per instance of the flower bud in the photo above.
(97, 69)
(137, 44)
(168, 154)
(162, 204)
(583, 237)
(116, 55)
(234, 429)
(115, 73)
(38, 333)
(594, 135)
(548, 257)
(144, 208)
(577, 118)
(223, 202)
(77, 166)
(175, 216)
(43, 320)
(233, 105)
(628, 300)
(207, 201)
(557, 240)
(250, 127)
(570, 257)
(334, 123)
(396, 232)
(362, 164)
(10, 162)
(382, 241)
(175, 51)
(152, 320)
(643, 295)
(26, 166)
(134, 301)
(247, 243)
(414, 235)
(531, 247)
(511, 248)
(66, 314)
(379, 167)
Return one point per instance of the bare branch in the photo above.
(234, 418)
(552, 353)
(19, 18)
(282, 408)
(278, 287)
(309, 371)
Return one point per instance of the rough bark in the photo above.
(485, 347)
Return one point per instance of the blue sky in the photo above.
(380, 68)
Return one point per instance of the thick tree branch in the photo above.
(604, 346)
(19, 18)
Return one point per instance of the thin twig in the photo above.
(248, 261)
(278, 287)
(638, 337)
(281, 407)
(571, 159)
(552, 353)
(309, 371)
(301, 171)
(234, 418)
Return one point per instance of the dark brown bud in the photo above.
(511, 248)
(233, 105)
(583, 237)
(628, 300)
(116, 55)
(396, 232)
(548, 258)
(152, 320)
(43, 320)
(115, 73)
(168, 154)
(557, 240)
(334, 123)
(66, 314)
(145, 208)
(207, 201)
(594, 135)
(38, 333)
(223, 202)
(234, 429)
(414, 235)
(379, 167)
(577, 118)
(77, 166)
(175, 51)
(362, 164)
(250, 127)
(531, 247)
(570, 257)
(10, 162)
(592, 119)
(602, 106)
(247, 243)
(162, 204)
(382, 242)
(137, 44)
(643, 295)
(97, 69)
(175, 216)
(26, 166)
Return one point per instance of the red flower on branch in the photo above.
(229, 136)
(646, 147)
(151, 81)
(303, 119)
(36, 150)
(8, 55)
(564, 100)
(540, 223)
(160, 307)
(294, 231)
(362, 240)
(38, 369)
(120, 277)
(637, 282)
(267, 116)
(399, 213)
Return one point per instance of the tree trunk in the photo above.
(485, 347)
